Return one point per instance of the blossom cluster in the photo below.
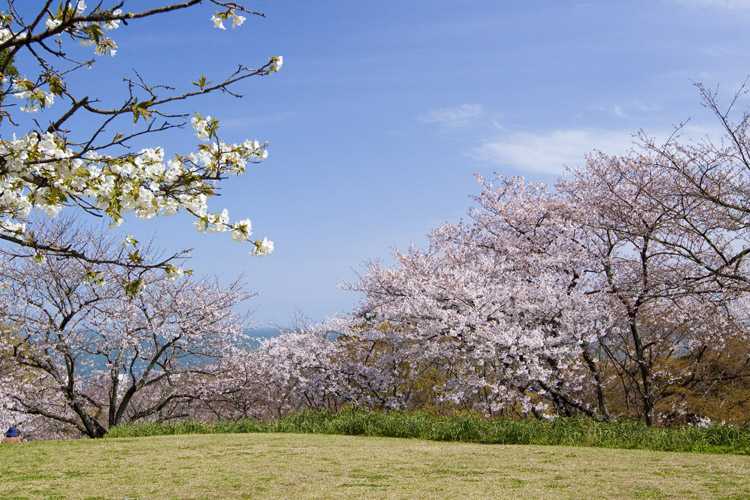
(48, 170)
(42, 171)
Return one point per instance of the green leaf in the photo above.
(132, 288)
(135, 257)
(201, 82)
(56, 84)
(140, 109)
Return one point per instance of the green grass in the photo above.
(474, 429)
(328, 466)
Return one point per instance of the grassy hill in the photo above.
(327, 466)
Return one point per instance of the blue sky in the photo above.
(385, 110)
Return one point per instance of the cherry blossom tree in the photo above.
(710, 192)
(500, 301)
(628, 209)
(322, 366)
(546, 300)
(94, 354)
(48, 164)
(284, 374)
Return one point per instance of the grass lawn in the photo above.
(323, 466)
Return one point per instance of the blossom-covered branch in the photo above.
(94, 169)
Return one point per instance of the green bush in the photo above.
(474, 429)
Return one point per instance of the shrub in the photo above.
(472, 428)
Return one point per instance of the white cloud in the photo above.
(619, 112)
(626, 110)
(458, 116)
(549, 152)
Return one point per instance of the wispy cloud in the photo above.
(457, 116)
(627, 110)
(549, 152)
(619, 111)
